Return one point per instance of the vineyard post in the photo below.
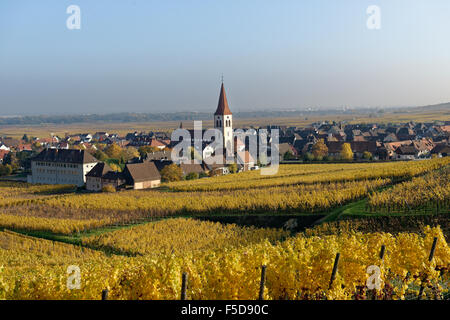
(184, 280)
(382, 251)
(430, 258)
(262, 283)
(105, 294)
(335, 268)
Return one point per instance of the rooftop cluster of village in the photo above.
(106, 161)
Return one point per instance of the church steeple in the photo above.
(223, 121)
(222, 107)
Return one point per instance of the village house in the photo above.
(217, 165)
(188, 168)
(3, 154)
(101, 176)
(286, 149)
(100, 136)
(159, 155)
(406, 152)
(161, 164)
(24, 147)
(441, 150)
(142, 175)
(61, 166)
(358, 148)
(10, 142)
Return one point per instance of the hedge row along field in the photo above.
(297, 268)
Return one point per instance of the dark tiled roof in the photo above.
(159, 155)
(145, 171)
(357, 146)
(99, 170)
(160, 164)
(113, 175)
(191, 167)
(441, 148)
(65, 156)
(406, 150)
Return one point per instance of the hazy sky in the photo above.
(168, 55)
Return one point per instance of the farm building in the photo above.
(102, 175)
(142, 175)
(61, 166)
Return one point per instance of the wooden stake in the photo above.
(382, 252)
(184, 280)
(262, 283)
(335, 268)
(430, 258)
(433, 249)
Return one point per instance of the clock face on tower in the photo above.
(223, 120)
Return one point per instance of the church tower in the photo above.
(223, 121)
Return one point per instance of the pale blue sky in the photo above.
(168, 55)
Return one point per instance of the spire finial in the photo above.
(222, 78)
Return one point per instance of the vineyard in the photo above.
(165, 237)
(296, 189)
(313, 174)
(137, 244)
(430, 192)
(297, 268)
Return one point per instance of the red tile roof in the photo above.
(222, 107)
(156, 143)
(3, 153)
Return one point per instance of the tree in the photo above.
(36, 145)
(171, 172)
(147, 149)
(232, 167)
(12, 160)
(24, 158)
(367, 155)
(100, 155)
(130, 153)
(114, 151)
(192, 176)
(108, 188)
(115, 167)
(80, 146)
(308, 157)
(5, 170)
(346, 152)
(288, 155)
(320, 149)
(215, 173)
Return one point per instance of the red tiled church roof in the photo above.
(222, 107)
